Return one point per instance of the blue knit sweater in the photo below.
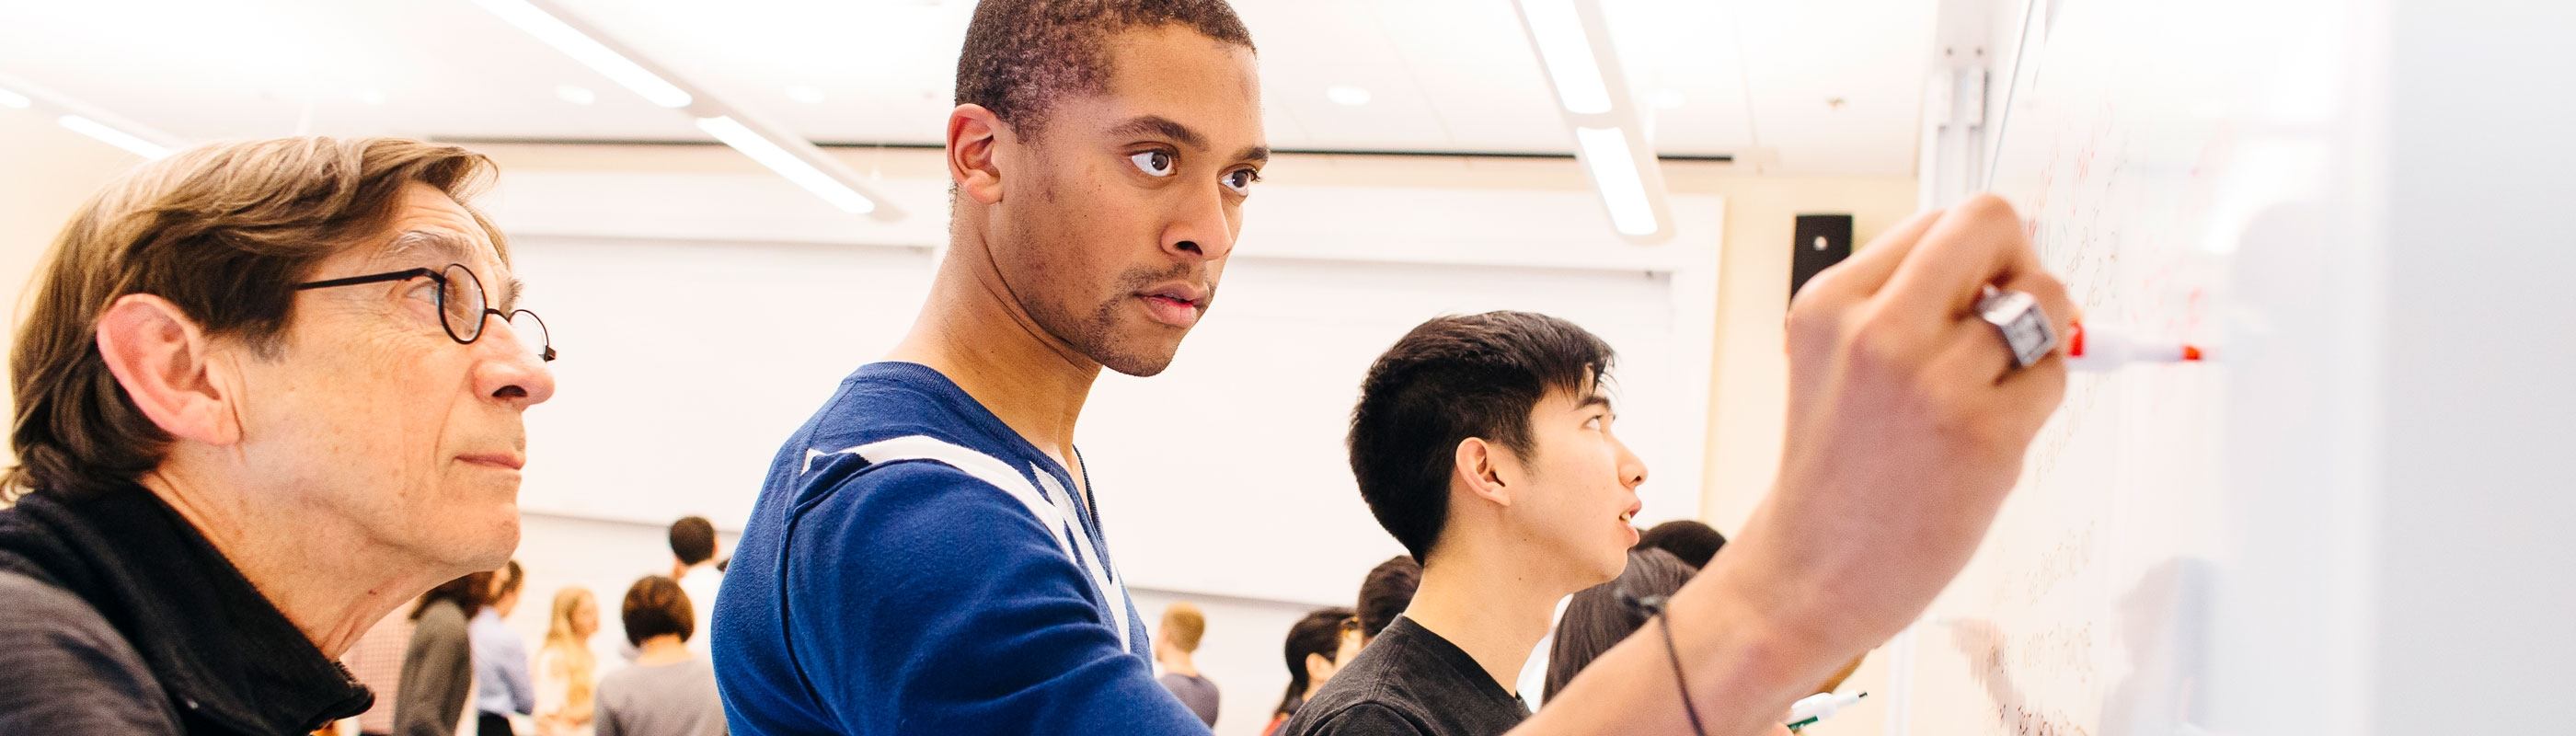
(915, 567)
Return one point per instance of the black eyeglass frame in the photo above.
(545, 335)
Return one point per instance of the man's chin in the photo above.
(488, 545)
(1139, 358)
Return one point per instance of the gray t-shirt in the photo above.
(675, 699)
(1199, 693)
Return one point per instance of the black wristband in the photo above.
(1653, 606)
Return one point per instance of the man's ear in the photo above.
(1481, 467)
(161, 359)
(975, 136)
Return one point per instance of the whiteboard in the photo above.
(2171, 560)
(689, 355)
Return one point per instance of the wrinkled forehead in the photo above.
(435, 246)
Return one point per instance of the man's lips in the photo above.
(510, 461)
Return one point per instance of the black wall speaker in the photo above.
(1821, 242)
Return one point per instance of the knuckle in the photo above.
(1986, 206)
(1813, 317)
(1880, 343)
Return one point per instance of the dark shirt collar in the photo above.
(222, 652)
(1441, 650)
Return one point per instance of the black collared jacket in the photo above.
(118, 617)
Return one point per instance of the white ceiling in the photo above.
(1753, 79)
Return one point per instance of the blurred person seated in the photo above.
(1175, 643)
(669, 690)
(1317, 646)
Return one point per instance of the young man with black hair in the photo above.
(925, 556)
(1485, 444)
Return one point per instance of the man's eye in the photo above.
(1154, 163)
(1240, 180)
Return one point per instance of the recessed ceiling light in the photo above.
(1347, 95)
(541, 18)
(804, 94)
(13, 99)
(575, 94)
(1666, 99)
(110, 135)
(369, 96)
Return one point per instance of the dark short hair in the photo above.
(655, 606)
(1023, 56)
(510, 577)
(1386, 591)
(693, 539)
(224, 232)
(1693, 542)
(1320, 632)
(1450, 379)
(1597, 618)
(470, 593)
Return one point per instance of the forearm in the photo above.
(1745, 650)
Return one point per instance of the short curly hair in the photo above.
(1023, 56)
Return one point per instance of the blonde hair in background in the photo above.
(567, 650)
(1183, 624)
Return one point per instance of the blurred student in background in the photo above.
(694, 564)
(567, 671)
(501, 659)
(669, 690)
(1601, 616)
(438, 665)
(1691, 542)
(1175, 645)
(1385, 592)
(376, 661)
(1317, 646)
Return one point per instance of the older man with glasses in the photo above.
(264, 397)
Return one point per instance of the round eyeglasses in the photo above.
(462, 306)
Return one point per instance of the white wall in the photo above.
(45, 173)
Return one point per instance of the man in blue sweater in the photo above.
(925, 557)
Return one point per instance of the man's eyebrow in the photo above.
(1593, 400)
(445, 248)
(449, 247)
(1254, 154)
(1158, 125)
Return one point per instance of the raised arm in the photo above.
(1907, 425)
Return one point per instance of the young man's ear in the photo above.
(1318, 669)
(161, 359)
(975, 135)
(1481, 467)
